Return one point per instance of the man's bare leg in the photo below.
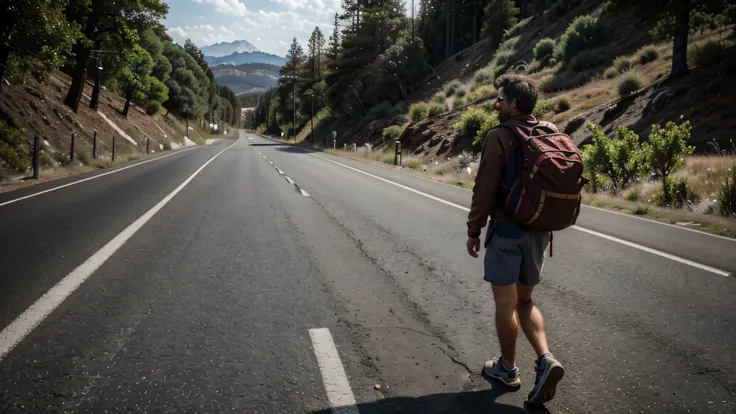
(531, 319)
(507, 326)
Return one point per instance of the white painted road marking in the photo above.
(94, 177)
(270, 162)
(280, 172)
(339, 393)
(36, 313)
(304, 193)
(289, 180)
(595, 233)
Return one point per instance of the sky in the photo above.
(270, 25)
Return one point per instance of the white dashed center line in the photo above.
(339, 393)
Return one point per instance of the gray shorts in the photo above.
(514, 254)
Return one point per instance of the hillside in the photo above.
(36, 108)
(584, 83)
(247, 78)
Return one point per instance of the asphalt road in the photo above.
(218, 278)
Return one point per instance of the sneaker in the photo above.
(494, 369)
(549, 373)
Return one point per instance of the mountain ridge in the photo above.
(228, 48)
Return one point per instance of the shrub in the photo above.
(471, 122)
(483, 76)
(619, 160)
(446, 167)
(726, 195)
(610, 73)
(439, 98)
(413, 163)
(563, 104)
(460, 92)
(633, 195)
(15, 152)
(501, 61)
(518, 27)
(167, 145)
(666, 150)
(544, 50)
(622, 64)
(459, 102)
(675, 193)
(491, 121)
(587, 59)
(552, 83)
(542, 107)
(152, 108)
(482, 92)
(584, 33)
(418, 111)
(641, 210)
(392, 133)
(379, 111)
(706, 53)
(83, 154)
(452, 88)
(647, 54)
(46, 160)
(465, 159)
(435, 110)
(629, 83)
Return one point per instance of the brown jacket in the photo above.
(494, 156)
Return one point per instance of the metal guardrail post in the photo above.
(94, 146)
(36, 156)
(113, 147)
(71, 150)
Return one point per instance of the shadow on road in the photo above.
(295, 150)
(463, 402)
(270, 144)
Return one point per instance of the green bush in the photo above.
(675, 193)
(622, 64)
(83, 154)
(482, 92)
(647, 54)
(15, 152)
(518, 27)
(435, 110)
(629, 83)
(666, 150)
(544, 50)
(413, 163)
(392, 133)
(439, 98)
(584, 33)
(706, 53)
(542, 107)
(379, 111)
(491, 121)
(483, 76)
(460, 92)
(633, 195)
(452, 88)
(587, 59)
(418, 111)
(459, 103)
(471, 122)
(726, 195)
(641, 210)
(167, 145)
(46, 161)
(152, 108)
(563, 105)
(620, 160)
(501, 61)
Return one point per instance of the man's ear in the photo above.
(513, 104)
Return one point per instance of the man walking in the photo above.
(515, 249)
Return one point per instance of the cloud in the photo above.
(230, 7)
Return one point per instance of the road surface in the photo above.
(251, 276)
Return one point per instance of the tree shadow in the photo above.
(295, 150)
(483, 401)
(274, 144)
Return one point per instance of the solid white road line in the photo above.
(656, 252)
(595, 233)
(304, 193)
(36, 313)
(339, 393)
(94, 177)
(289, 180)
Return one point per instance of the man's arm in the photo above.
(487, 183)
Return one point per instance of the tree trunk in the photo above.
(475, 22)
(679, 47)
(4, 54)
(80, 72)
(447, 28)
(128, 97)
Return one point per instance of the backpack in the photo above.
(543, 178)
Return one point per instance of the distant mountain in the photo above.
(239, 58)
(228, 48)
(247, 78)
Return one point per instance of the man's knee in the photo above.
(524, 301)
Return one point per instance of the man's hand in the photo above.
(473, 245)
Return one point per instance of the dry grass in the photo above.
(707, 173)
(713, 224)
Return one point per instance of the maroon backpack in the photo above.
(543, 178)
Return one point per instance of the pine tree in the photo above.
(499, 15)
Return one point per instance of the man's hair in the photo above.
(520, 88)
